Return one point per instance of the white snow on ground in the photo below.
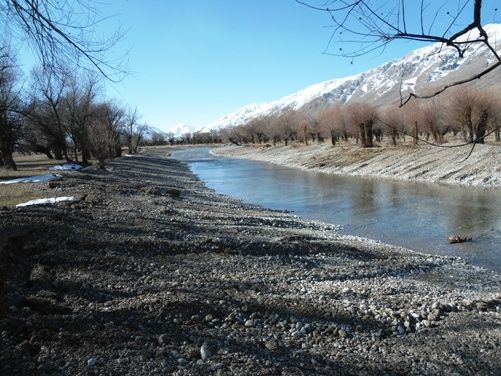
(43, 201)
(31, 179)
(66, 167)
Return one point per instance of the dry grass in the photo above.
(13, 194)
(27, 165)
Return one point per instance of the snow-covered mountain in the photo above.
(150, 132)
(179, 130)
(173, 132)
(419, 71)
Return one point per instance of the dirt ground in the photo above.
(149, 272)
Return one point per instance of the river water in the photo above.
(414, 215)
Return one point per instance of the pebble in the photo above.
(91, 362)
(206, 351)
(162, 339)
(249, 323)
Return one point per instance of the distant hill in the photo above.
(424, 68)
(176, 132)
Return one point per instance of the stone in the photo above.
(342, 333)
(206, 351)
(162, 339)
(271, 345)
(249, 323)
(91, 362)
(55, 184)
(433, 316)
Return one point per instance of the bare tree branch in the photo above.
(64, 34)
(373, 26)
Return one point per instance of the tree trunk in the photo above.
(482, 127)
(85, 156)
(366, 134)
(58, 153)
(434, 133)
(415, 133)
(469, 127)
(498, 135)
(8, 161)
(102, 163)
(362, 134)
(333, 139)
(118, 150)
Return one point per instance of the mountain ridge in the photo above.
(427, 67)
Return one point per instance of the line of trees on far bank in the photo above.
(64, 116)
(465, 113)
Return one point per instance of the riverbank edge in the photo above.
(418, 164)
(184, 275)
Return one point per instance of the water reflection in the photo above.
(417, 216)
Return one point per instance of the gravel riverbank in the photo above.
(149, 272)
(423, 163)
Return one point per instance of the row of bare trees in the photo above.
(469, 112)
(62, 115)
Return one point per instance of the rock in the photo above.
(458, 238)
(55, 184)
(271, 345)
(162, 339)
(249, 323)
(482, 306)
(206, 351)
(91, 362)
(342, 333)
(434, 316)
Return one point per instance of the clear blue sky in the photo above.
(193, 61)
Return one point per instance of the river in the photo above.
(414, 215)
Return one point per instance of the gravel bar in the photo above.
(149, 272)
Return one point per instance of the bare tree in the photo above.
(79, 113)
(129, 128)
(286, 123)
(392, 117)
(363, 116)
(363, 26)
(46, 123)
(10, 103)
(64, 33)
(138, 137)
(103, 132)
(331, 123)
(434, 121)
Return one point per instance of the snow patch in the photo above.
(31, 179)
(44, 201)
(66, 167)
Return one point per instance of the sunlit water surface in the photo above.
(414, 215)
